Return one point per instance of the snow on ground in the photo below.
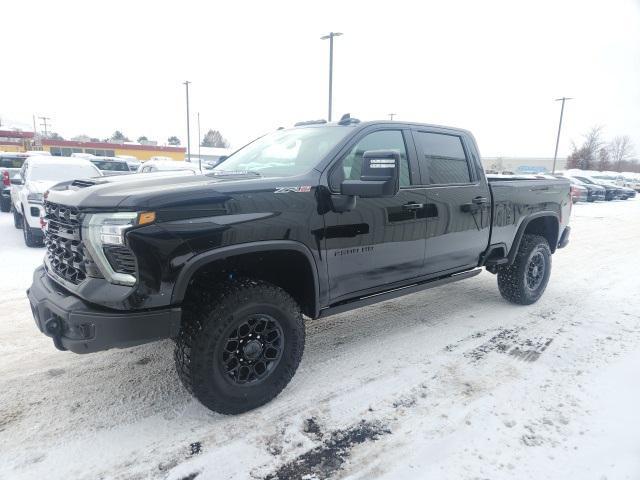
(450, 383)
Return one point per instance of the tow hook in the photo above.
(53, 326)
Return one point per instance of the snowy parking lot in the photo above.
(450, 383)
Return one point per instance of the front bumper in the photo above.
(83, 328)
(33, 212)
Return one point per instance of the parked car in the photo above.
(10, 165)
(632, 180)
(579, 193)
(37, 175)
(110, 165)
(133, 165)
(611, 191)
(594, 192)
(315, 220)
(615, 180)
(166, 165)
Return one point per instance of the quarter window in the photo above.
(350, 166)
(442, 158)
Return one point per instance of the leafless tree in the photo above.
(586, 155)
(604, 162)
(621, 150)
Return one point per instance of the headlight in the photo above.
(34, 197)
(103, 229)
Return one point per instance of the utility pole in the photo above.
(555, 155)
(391, 115)
(44, 125)
(199, 145)
(330, 37)
(186, 84)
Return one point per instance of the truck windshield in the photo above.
(61, 173)
(111, 166)
(284, 153)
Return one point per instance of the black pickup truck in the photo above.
(313, 220)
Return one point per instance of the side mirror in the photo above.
(16, 180)
(379, 177)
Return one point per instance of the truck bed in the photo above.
(515, 198)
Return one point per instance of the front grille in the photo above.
(121, 259)
(65, 250)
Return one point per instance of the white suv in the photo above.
(37, 175)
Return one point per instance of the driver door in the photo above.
(382, 240)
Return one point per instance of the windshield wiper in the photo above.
(234, 172)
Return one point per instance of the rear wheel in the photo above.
(240, 344)
(525, 280)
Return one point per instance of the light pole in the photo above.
(330, 37)
(186, 84)
(199, 143)
(391, 115)
(555, 155)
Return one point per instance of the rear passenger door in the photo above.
(458, 207)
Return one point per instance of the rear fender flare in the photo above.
(523, 226)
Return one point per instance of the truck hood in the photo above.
(151, 191)
(39, 186)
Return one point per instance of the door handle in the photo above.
(413, 206)
(480, 200)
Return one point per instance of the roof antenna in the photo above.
(347, 120)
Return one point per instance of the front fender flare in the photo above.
(202, 259)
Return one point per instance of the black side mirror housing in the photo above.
(379, 177)
(16, 180)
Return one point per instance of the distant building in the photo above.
(18, 141)
(523, 164)
(212, 154)
(65, 148)
(15, 141)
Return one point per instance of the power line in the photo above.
(44, 125)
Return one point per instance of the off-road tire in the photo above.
(512, 279)
(17, 219)
(30, 239)
(210, 312)
(5, 204)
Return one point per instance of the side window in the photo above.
(442, 158)
(350, 166)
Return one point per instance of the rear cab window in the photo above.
(442, 158)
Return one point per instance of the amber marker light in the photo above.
(145, 218)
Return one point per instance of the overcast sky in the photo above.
(492, 67)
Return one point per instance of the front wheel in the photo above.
(17, 219)
(240, 344)
(525, 280)
(30, 239)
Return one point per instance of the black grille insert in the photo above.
(65, 251)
